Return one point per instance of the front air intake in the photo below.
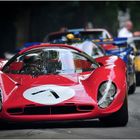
(50, 110)
(15, 110)
(85, 108)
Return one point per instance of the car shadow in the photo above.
(52, 125)
(136, 92)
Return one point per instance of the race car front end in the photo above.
(84, 89)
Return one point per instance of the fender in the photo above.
(109, 71)
(7, 85)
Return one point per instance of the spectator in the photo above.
(126, 31)
(88, 25)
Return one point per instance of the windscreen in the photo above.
(50, 61)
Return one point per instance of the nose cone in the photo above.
(48, 90)
(49, 95)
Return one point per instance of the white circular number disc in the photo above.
(48, 94)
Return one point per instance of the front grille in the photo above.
(63, 109)
(14, 110)
(36, 110)
(48, 110)
(85, 108)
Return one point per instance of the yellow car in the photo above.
(135, 41)
(137, 63)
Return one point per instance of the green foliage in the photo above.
(46, 17)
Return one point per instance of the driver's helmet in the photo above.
(31, 59)
(49, 55)
(73, 38)
(70, 36)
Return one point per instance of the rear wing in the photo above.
(114, 41)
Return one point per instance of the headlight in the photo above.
(106, 94)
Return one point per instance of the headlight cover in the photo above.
(106, 93)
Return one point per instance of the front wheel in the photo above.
(119, 118)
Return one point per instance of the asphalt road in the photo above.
(80, 129)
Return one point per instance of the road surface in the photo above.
(80, 129)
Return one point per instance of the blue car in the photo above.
(123, 50)
(123, 53)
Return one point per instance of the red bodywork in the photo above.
(109, 46)
(82, 106)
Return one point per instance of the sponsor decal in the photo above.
(49, 94)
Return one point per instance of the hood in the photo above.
(28, 80)
(48, 90)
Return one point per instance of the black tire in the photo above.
(119, 118)
(132, 89)
(138, 78)
(2, 122)
(0, 105)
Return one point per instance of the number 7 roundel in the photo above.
(49, 94)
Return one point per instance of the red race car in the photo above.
(59, 82)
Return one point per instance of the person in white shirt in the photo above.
(126, 30)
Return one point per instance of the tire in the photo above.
(138, 78)
(119, 118)
(132, 89)
(132, 78)
(0, 105)
(2, 122)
